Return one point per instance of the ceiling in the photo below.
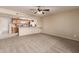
(53, 9)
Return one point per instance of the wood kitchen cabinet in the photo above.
(16, 22)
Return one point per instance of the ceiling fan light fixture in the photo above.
(39, 12)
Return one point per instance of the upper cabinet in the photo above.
(20, 21)
(24, 22)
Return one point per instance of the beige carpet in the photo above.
(38, 43)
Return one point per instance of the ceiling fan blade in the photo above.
(46, 10)
(35, 12)
(43, 13)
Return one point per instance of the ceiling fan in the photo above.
(39, 10)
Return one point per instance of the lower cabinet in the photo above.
(27, 31)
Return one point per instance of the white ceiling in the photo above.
(53, 9)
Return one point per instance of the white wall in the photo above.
(40, 23)
(4, 23)
(64, 24)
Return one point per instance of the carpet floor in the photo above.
(38, 43)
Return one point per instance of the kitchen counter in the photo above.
(28, 30)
